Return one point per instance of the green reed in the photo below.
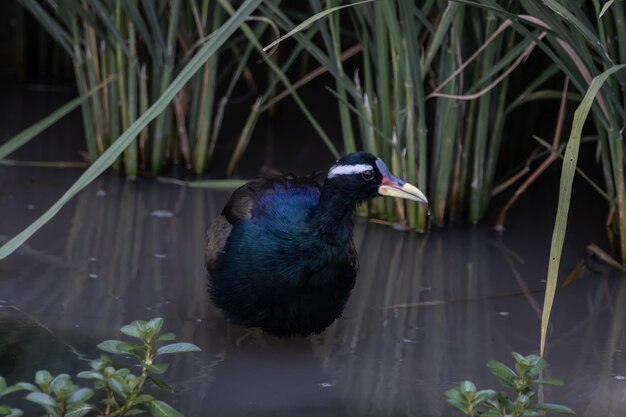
(111, 154)
(418, 99)
(584, 39)
(433, 93)
(143, 45)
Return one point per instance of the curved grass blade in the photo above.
(565, 193)
(52, 26)
(249, 33)
(105, 18)
(29, 133)
(310, 21)
(117, 147)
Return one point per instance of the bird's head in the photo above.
(363, 176)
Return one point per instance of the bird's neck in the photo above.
(333, 220)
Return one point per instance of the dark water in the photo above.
(427, 311)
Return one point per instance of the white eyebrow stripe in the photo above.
(348, 169)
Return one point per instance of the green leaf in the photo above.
(458, 405)
(27, 386)
(3, 383)
(78, 410)
(10, 390)
(143, 398)
(118, 347)
(523, 400)
(216, 40)
(166, 337)
(160, 383)
(100, 363)
(91, 375)
(553, 408)
(467, 387)
(131, 330)
(5, 409)
(505, 375)
(565, 194)
(142, 326)
(41, 399)
(122, 372)
(157, 368)
(81, 395)
(178, 348)
(549, 381)
(32, 131)
(15, 413)
(532, 413)
(484, 395)
(109, 402)
(454, 394)
(134, 412)
(156, 324)
(117, 386)
(62, 386)
(43, 378)
(133, 381)
(161, 409)
(537, 364)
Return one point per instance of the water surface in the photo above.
(427, 312)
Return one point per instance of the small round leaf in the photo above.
(178, 348)
(162, 409)
(41, 399)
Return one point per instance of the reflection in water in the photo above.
(427, 311)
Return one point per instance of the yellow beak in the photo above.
(394, 187)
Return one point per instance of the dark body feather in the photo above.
(281, 256)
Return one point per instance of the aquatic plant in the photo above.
(120, 391)
(7, 410)
(490, 403)
(143, 46)
(583, 40)
(119, 145)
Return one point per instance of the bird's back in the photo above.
(261, 257)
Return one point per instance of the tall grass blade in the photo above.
(310, 21)
(105, 16)
(131, 153)
(207, 97)
(161, 131)
(438, 37)
(29, 133)
(565, 192)
(53, 27)
(344, 112)
(283, 78)
(115, 150)
(130, 7)
(244, 138)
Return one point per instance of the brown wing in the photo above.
(216, 237)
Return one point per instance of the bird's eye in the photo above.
(368, 175)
